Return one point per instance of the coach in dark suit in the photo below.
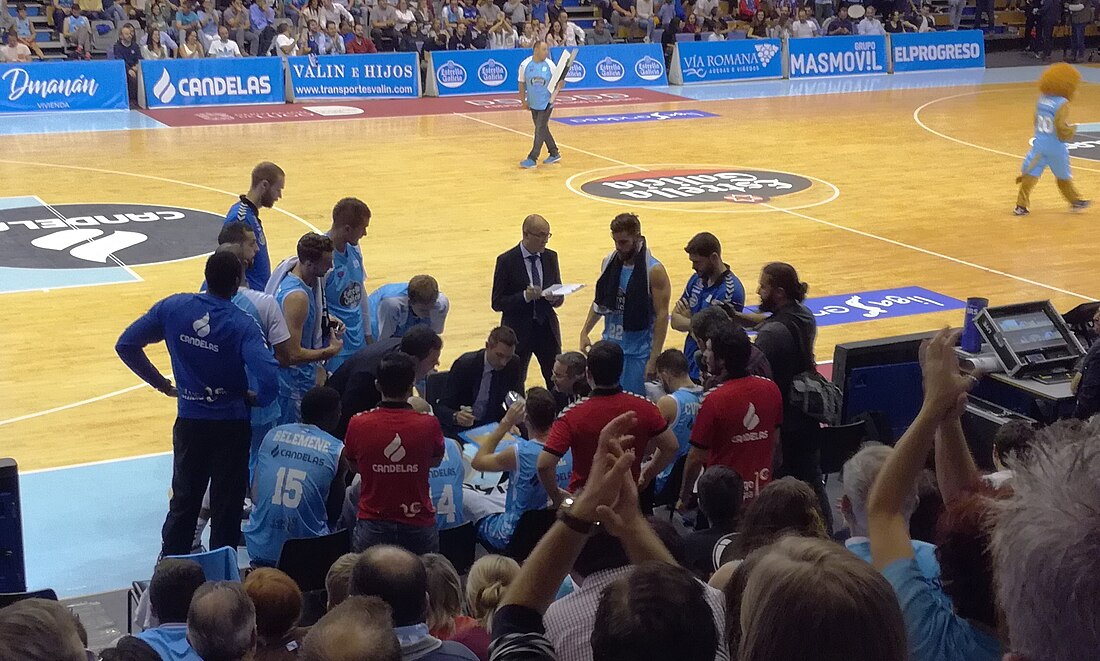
(478, 382)
(521, 275)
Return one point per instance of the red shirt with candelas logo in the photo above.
(394, 449)
(737, 426)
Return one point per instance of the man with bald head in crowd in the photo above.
(359, 629)
(221, 623)
(521, 276)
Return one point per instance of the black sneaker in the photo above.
(1080, 205)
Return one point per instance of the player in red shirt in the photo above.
(393, 448)
(579, 425)
(738, 424)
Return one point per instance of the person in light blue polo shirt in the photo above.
(397, 307)
(265, 190)
(535, 75)
(344, 283)
(174, 582)
(445, 486)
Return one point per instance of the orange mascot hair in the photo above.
(1061, 80)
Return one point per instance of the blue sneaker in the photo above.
(552, 159)
(527, 163)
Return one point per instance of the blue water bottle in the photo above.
(971, 341)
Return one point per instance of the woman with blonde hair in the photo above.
(446, 603)
(485, 586)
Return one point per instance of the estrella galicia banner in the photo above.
(837, 56)
(212, 81)
(596, 67)
(35, 86)
(376, 76)
(927, 51)
(716, 61)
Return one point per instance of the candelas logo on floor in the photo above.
(698, 185)
(83, 236)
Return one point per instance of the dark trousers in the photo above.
(385, 38)
(263, 41)
(415, 539)
(802, 457)
(544, 346)
(1077, 41)
(983, 7)
(1047, 37)
(1033, 36)
(213, 452)
(541, 118)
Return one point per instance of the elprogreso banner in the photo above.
(928, 51)
(715, 61)
(35, 86)
(213, 81)
(381, 75)
(596, 67)
(837, 56)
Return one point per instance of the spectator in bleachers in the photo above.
(897, 24)
(223, 46)
(59, 11)
(209, 20)
(1012, 443)
(758, 27)
(479, 34)
(292, 9)
(805, 590)
(315, 39)
(570, 377)
(398, 307)
(383, 18)
(479, 381)
(153, 48)
(624, 16)
(966, 626)
(221, 623)
(331, 12)
(262, 19)
(857, 478)
(299, 472)
(554, 9)
(39, 630)
(600, 35)
(13, 50)
(691, 24)
(469, 11)
(502, 35)
(1080, 15)
(311, 12)
(361, 45)
(489, 11)
(666, 10)
(24, 28)
(739, 420)
(1045, 547)
(520, 460)
(925, 22)
(360, 629)
(452, 13)
(870, 25)
(721, 493)
(128, 51)
(555, 36)
(400, 579)
(516, 11)
(129, 648)
(841, 25)
(984, 8)
(278, 603)
(446, 601)
(338, 580)
(170, 591)
(191, 48)
(528, 39)
(236, 18)
(574, 35)
(578, 426)
(77, 31)
(823, 10)
(954, 13)
(185, 18)
(460, 38)
(334, 45)
(393, 447)
(805, 26)
(405, 15)
(286, 44)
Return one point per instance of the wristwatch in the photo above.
(575, 523)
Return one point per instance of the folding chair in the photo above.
(9, 598)
(839, 444)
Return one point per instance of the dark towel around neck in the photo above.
(638, 309)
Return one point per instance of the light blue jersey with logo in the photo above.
(525, 493)
(536, 76)
(344, 295)
(295, 469)
(688, 401)
(445, 486)
(697, 296)
(295, 381)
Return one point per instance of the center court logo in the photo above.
(697, 185)
(649, 68)
(610, 70)
(85, 236)
(492, 73)
(450, 75)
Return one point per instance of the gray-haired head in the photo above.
(857, 477)
(1046, 542)
(221, 624)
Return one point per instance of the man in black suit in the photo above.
(521, 275)
(477, 383)
(355, 378)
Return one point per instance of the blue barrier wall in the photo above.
(719, 61)
(213, 81)
(837, 56)
(927, 51)
(38, 86)
(377, 76)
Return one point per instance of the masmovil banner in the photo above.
(376, 76)
(31, 87)
(717, 61)
(212, 82)
(596, 67)
(837, 56)
(927, 51)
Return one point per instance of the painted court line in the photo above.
(65, 407)
(844, 228)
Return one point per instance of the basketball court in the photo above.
(867, 185)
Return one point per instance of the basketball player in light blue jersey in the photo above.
(1058, 85)
(295, 295)
(445, 486)
(344, 293)
(535, 75)
(299, 470)
(525, 491)
(397, 307)
(632, 295)
(679, 407)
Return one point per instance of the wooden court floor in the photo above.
(891, 203)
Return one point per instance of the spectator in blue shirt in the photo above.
(263, 24)
(174, 583)
(268, 180)
(186, 17)
(539, 10)
(210, 342)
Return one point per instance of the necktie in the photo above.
(536, 281)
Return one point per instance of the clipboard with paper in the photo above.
(561, 68)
